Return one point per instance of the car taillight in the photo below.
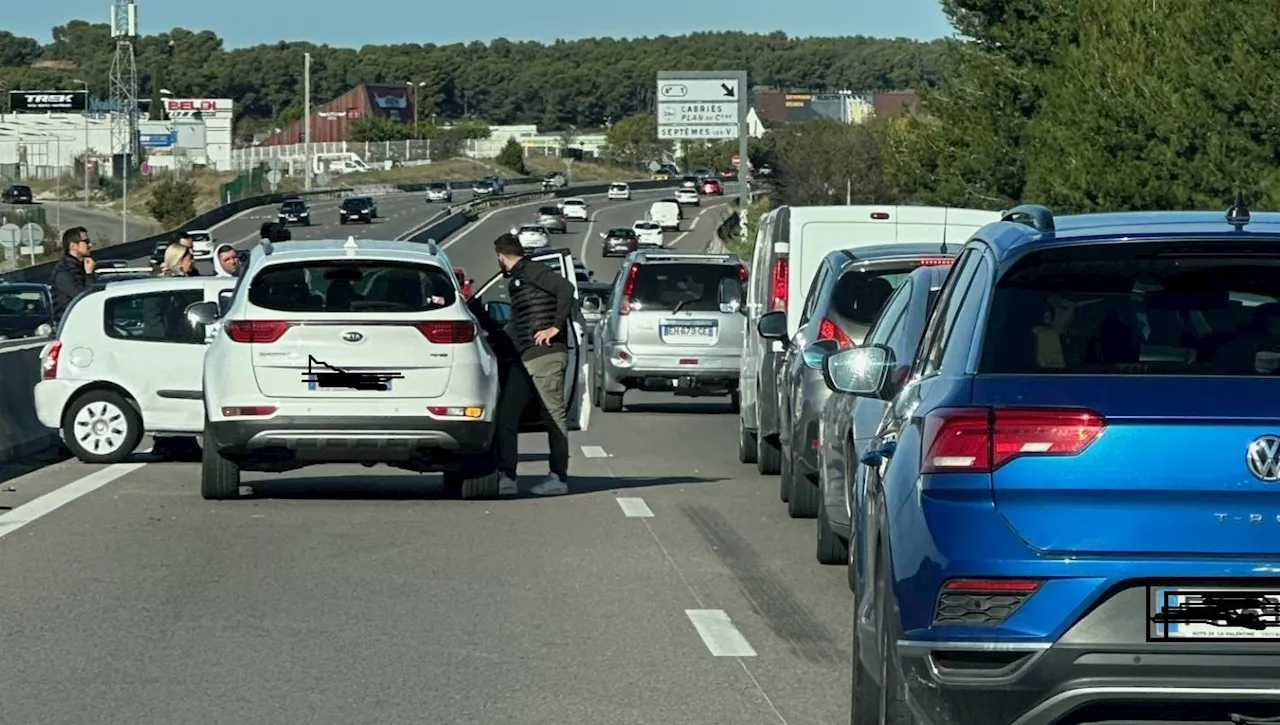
(828, 330)
(49, 361)
(256, 331)
(448, 332)
(778, 300)
(742, 273)
(992, 586)
(978, 440)
(628, 289)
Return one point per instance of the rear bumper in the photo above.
(305, 440)
(711, 375)
(1102, 669)
(296, 220)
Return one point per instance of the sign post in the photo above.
(34, 234)
(706, 106)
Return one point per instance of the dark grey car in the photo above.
(849, 421)
(847, 295)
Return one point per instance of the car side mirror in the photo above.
(816, 353)
(729, 295)
(862, 371)
(499, 312)
(773, 326)
(202, 313)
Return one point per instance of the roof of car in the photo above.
(10, 286)
(842, 257)
(141, 285)
(321, 249)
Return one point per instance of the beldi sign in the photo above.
(48, 100)
(203, 105)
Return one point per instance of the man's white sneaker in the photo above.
(508, 486)
(552, 486)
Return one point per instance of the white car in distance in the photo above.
(575, 209)
(619, 191)
(202, 243)
(532, 236)
(688, 197)
(648, 233)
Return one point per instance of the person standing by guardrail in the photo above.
(73, 273)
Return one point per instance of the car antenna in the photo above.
(1238, 214)
(946, 213)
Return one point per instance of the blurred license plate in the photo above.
(689, 331)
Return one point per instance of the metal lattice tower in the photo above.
(124, 80)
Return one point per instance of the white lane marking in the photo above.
(719, 634)
(57, 498)
(634, 508)
(480, 222)
(594, 452)
(692, 225)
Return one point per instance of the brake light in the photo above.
(256, 331)
(1008, 586)
(828, 330)
(778, 300)
(49, 360)
(253, 410)
(880, 215)
(935, 261)
(629, 289)
(977, 440)
(448, 332)
(742, 273)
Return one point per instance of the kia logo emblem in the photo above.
(352, 336)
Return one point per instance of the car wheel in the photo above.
(219, 476)
(893, 697)
(101, 427)
(863, 689)
(804, 499)
(768, 456)
(831, 549)
(746, 444)
(611, 402)
(784, 476)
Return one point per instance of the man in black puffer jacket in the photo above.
(541, 307)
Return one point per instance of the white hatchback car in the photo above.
(575, 209)
(648, 234)
(126, 362)
(202, 243)
(619, 191)
(688, 197)
(532, 236)
(350, 352)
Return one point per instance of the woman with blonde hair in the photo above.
(177, 261)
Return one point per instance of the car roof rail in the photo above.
(1036, 216)
(679, 256)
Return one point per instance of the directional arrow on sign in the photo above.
(728, 90)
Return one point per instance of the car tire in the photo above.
(116, 421)
(768, 456)
(805, 498)
(746, 444)
(611, 402)
(219, 476)
(784, 477)
(896, 711)
(831, 549)
(863, 689)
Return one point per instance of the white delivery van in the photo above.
(791, 243)
(666, 212)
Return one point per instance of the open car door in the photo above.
(493, 294)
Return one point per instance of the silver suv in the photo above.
(673, 325)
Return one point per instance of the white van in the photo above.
(666, 212)
(791, 243)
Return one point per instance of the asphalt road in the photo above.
(102, 225)
(669, 587)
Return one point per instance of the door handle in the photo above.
(877, 456)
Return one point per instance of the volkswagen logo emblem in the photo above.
(1263, 458)
(354, 336)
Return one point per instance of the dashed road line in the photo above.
(719, 633)
(59, 497)
(635, 508)
(595, 452)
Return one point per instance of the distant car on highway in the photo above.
(99, 384)
(621, 241)
(648, 233)
(355, 209)
(688, 197)
(712, 187)
(26, 310)
(593, 300)
(675, 327)
(483, 188)
(575, 209)
(702, 173)
(157, 254)
(295, 211)
(17, 194)
(618, 191)
(552, 219)
(202, 243)
(439, 193)
(690, 182)
(554, 180)
(532, 236)
(497, 183)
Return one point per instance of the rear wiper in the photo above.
(680, 305)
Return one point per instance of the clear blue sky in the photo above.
(343, 23)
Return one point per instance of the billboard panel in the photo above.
(45, 101)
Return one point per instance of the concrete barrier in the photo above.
(21, 434)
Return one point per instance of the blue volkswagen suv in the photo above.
(1071, 512)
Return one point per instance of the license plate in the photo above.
(689, 331)
(1198, 613)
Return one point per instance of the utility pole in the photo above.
(84, 160)
(306, 116)
(124, 96)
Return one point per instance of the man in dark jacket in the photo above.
(73, 273)
(541, 306)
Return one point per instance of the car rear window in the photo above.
(860, 293)
(691, 286)
(551, 210)
(352, 286)
(354, 203)
(532, 230)
(22, 302)
(292, 205)
(1204, 308)
(624, 233)
(574, 202)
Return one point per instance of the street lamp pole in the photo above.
(84, 159)
(306, 115)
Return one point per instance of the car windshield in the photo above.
(574, 202)
(1138, 309)
(618, 187)
(355, 203)
(532, 230)
(293, 206)
(22, 302)
(691, 286)
(437, 187)
(642, 226)
(201, 237)
(343, 286)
